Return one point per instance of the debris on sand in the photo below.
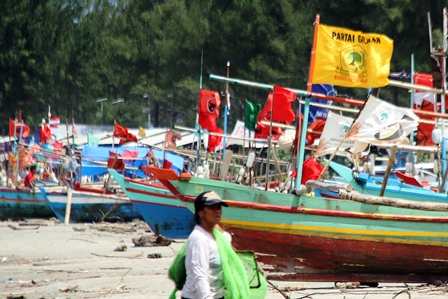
(121, 247)
(151, 241)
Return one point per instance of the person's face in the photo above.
(212, 214)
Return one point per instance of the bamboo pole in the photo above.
(349, 101)
(394, 202)
(388, 169)
(309, 85)
(68, 206)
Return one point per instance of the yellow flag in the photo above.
(351, 58)
(142, 132)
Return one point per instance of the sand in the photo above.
(46, 259)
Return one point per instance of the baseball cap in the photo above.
(206, 199)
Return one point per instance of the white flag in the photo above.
(335, 130)
(383, 123)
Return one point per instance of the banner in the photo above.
(383, 123)
(351, 58)
(335, 130)
(315, 112)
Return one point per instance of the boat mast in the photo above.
(197, 127)
(442, 97)
(226, 111)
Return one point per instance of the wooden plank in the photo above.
(225, 164)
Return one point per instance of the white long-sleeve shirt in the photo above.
(204, 268)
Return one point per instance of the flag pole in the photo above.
(444, 88)
(269, 143)
(18, 154)
(244, 130)
(411, 155)
(301, 147)
(226, 111)
(309, 85)
(198, 127)
(73, 131)
(15, 135)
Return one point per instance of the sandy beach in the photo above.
(46, 259)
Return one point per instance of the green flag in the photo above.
(251, 115)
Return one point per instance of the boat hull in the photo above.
(319, 239)
(18, 204)
(91, 207)
(165, 214)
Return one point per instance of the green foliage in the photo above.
(66, 54)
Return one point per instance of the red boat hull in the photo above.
(342, 260)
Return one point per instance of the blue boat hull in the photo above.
(163, 212)
(18, 204)
(170, 221)
(92, 208)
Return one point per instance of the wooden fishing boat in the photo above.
(371, 185)
(311, 238)
(91, 205)
(163, 212)
(17, 203)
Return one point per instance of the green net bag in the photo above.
(241, 276)
(177, 271)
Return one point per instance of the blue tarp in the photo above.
(93, 159)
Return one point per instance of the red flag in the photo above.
(167, 164)
(45, 133)
(316, 129)
(129, 137)
(120, 131)
(114, 161)
(123, 134)
(74, 131)
(209, 102)
(310, 170)
(262, 131)
(281, 110)
(424, 101)
(214, 141)
(130, 154)
(208, 109)
(17, 125)
(54, 121)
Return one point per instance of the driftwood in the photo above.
(394, 202)
(138, 255)
(22, 228)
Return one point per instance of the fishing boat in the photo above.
(18, 203)
(407, 187)
(163, 212)
(91, 205)
(311, 238)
